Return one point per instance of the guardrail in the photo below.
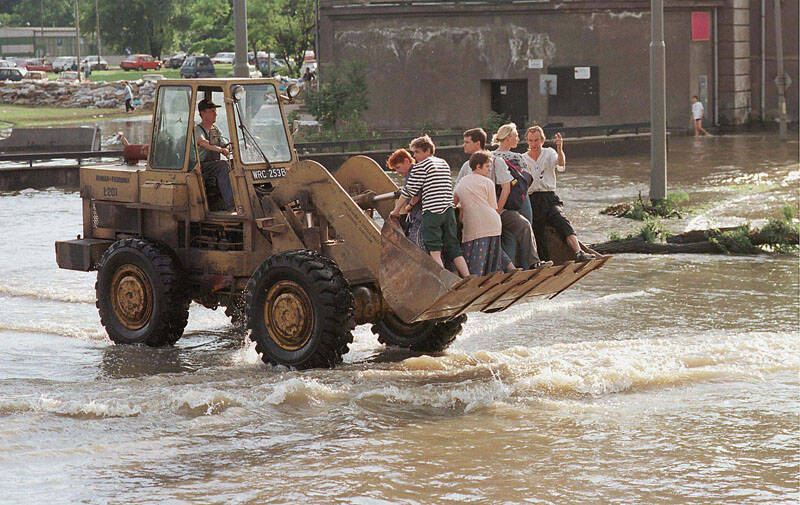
(452, 139)
(79, 156)
(385, 144)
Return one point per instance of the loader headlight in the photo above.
(237, 92)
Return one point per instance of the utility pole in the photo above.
(316, 41)
(240, 33)
(658, 103)
(97, 29)
(780, 80)
(78, 39)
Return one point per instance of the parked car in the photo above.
(12, 73)
(251, 70)
(6, 63)
(39, 64)
(95, 63)
(69, 77)
(223, 58)
(175, 61)
(197, 66)
(153, 77)
(36, 76)
(140, 62)
(64, 63)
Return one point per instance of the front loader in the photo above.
(304, 256)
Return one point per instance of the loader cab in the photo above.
(250, 117)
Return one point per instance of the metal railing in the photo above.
(78, 155)
(453, 139)
(353, 146)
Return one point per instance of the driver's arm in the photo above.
(205, 144)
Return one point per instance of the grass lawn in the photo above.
(117, 74)
(31, 115)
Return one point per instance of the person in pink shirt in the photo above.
(480, 238)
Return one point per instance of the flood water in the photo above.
(656, 380)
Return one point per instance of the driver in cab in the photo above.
(210, 145)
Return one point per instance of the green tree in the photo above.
(37, 13)
(342, 97)
(211, 27)
(293, 31)
(143, 25)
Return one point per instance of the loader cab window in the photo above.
(171, 128)
(216, 96)
(261, 114)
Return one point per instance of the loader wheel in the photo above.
(140, 296)
(425, 336)
(299, 310)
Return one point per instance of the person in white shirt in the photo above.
(517, 235)
(547, 207)
(697, 114)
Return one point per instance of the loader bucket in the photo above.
(417, 289)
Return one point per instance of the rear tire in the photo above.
(425, 336)
(140, 295)
(299, 310)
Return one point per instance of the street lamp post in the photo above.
(240, 32)
(780, 80)
(658, 103)
(97, 30)
(78, 38)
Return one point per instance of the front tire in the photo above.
(299, 310)
(140, 296)
(424, 336)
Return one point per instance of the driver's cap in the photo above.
(206, 104)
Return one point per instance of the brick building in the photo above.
(577, 62)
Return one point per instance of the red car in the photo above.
(140, 62)
(39, 64)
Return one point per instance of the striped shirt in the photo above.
(431, 179)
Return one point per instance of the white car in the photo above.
(224, 58)
(95, 62)
(7, 64)
(69, 77)
(64, 63)
(35, 76)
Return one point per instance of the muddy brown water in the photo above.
(658, 379)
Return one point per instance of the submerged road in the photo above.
(658, 379)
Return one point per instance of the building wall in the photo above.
(433, 65)
(789, 22)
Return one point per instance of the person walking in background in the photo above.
(480, 241)
(128, 97)
(547, 207)
(698, 113)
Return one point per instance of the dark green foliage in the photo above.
(652, 230)
(734, 241)
(666, 208)
(493, 122)
(341, 98)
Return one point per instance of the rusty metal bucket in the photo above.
(416, 288)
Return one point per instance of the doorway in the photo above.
(510, 98)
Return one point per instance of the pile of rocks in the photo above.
(106, 95)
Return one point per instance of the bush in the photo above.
(652, 230)
(341, 98)
(493, 122)
(734, 241)
(666, 208)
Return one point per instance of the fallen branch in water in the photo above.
(779, 235)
